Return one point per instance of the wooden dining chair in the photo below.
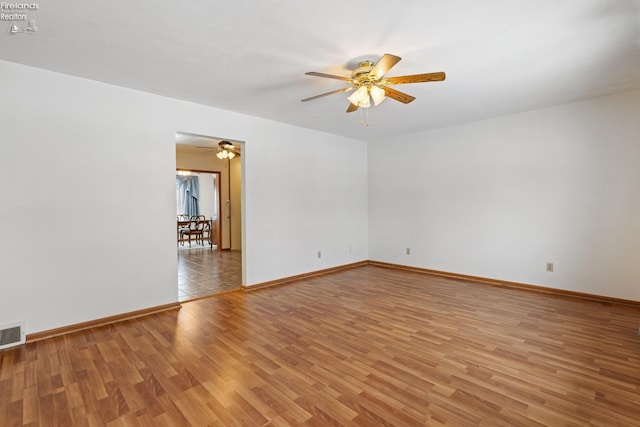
(195, 229)
(183, 225)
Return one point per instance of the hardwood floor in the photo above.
(204, 272)
(369, 346)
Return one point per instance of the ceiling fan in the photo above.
(368, 82)
(225, 150)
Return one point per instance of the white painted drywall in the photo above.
(88, 175)
(501, 198)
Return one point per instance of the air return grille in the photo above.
(11, 334)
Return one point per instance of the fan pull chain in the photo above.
(364, 117)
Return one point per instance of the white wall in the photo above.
(501, 198)
(84, 164)
(90, 176)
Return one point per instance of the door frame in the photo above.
(218, 189)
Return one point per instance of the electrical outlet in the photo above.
(319, 254)
(408, 251)
(349, 248)
(550, 267)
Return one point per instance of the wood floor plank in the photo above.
(367, 346)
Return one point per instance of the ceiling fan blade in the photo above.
(415, 78)
(328, 76)
(345, 89)
(397, 95)
(386, 62)
(351, 108)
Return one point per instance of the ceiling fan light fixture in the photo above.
(365, 102)
(360, 97)
(226, 150)
(377, 94)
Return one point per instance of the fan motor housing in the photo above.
(361, 74)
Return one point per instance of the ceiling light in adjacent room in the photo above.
(226, 150)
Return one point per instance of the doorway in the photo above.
(205, 269)
(198, 194)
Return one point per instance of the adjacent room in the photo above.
(208, 220)
(410, 216)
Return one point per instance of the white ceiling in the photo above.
(250, 56)
(200, 143)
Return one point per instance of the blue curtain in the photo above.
(189, 187)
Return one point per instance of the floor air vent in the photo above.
(11, 335)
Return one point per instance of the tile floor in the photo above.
(203, 271)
